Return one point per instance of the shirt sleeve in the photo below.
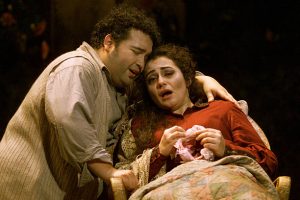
(157, 160)
(70, 99)
(246, 141)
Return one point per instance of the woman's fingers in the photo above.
(213, 140)
(174, 136)
(208, 132)
(174, 133)
(210, 138)
(169, 138)
(175, 129)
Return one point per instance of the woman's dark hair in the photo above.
(120, 21)
(149, 115)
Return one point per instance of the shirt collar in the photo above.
(90, 50)
(200, 104)
(87, 48)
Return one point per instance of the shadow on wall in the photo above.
(73, 20)
(31, 35)
(24, 39)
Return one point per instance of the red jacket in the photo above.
(240, 136)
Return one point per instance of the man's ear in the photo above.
(108, 42)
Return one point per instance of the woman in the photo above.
(242, 163)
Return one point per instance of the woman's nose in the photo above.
(160, 81)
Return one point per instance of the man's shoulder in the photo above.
(73, 59)
(75, 55)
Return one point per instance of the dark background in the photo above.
(250, 47)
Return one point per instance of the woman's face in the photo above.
(166, 85)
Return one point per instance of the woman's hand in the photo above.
(169, 138)
(213, 140)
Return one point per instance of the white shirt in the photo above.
(83, 106)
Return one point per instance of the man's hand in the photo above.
(129, 179)
(212, 88)
(105, 171)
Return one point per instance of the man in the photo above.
(54, 145)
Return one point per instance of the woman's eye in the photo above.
(150, 80)
(169, 73)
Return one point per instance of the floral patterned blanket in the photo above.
(232, 177)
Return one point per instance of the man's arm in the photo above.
(212, 88)
(69, 103)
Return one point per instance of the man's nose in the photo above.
(141, 64)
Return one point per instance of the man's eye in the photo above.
(135, 51)
(146, 58)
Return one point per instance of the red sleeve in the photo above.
(157, 160)
(245, 140)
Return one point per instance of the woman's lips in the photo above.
(165, 94)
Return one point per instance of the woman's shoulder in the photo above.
(229, 107)
(222, 103)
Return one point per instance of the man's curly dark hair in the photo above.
(120, 21)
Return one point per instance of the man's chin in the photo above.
(137, 76)
(127, 83)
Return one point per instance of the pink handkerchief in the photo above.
(187, 150)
